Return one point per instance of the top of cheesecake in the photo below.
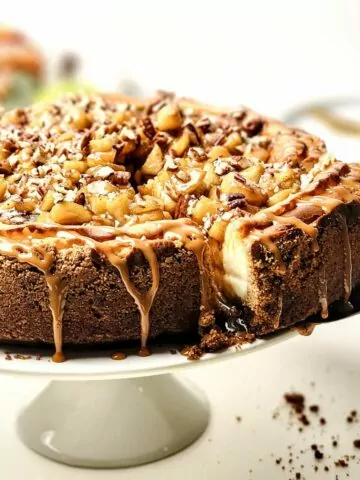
(113, 161)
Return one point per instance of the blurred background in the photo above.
(271, 55)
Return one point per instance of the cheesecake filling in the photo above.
(235, 254)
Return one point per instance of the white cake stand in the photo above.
(101, 413)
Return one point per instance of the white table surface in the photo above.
(325, 367)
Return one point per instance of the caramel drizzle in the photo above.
(111, 242)
(279, 309)
(328, 204)
(57, 303)
(305, 330)
(118, 356)
(323, 293)
(347, 262)
(144, 301)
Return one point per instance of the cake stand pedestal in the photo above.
(114, 423)
(100, 413)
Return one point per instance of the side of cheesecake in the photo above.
(98, 306)
(126, 220)
(301, 262)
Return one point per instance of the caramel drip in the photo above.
(279, 310)
(305, 330)
(347, 262)
(206, 289)
(323, 293)
(43, 260)
(118, 356)
(57, 303)
(144, 301)
(144, 352)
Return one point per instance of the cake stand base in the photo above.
(114, 423)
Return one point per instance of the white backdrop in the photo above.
(267, 54)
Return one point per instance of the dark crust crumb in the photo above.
(192, 353)
(326, 468)
(304, 420)
(241, 338)
(296, 400)
(278, 461)
(8, 356)
(322, 421)
(298, 475)
(356, 443)
(352, 417)
(20, 356)
(238, 418)
(341, 463)
(314, 408)
(317, 453)
(214, 341)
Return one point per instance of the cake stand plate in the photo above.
(101, 413)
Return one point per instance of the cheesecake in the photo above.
(127, 220)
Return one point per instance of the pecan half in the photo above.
(148, 127)
(84, 142)
(252, 125)
(80, 198)
(182, 206)
(121, 178)
(236, 200)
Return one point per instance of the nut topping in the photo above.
(86, 160)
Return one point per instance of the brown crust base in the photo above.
(98, 307)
